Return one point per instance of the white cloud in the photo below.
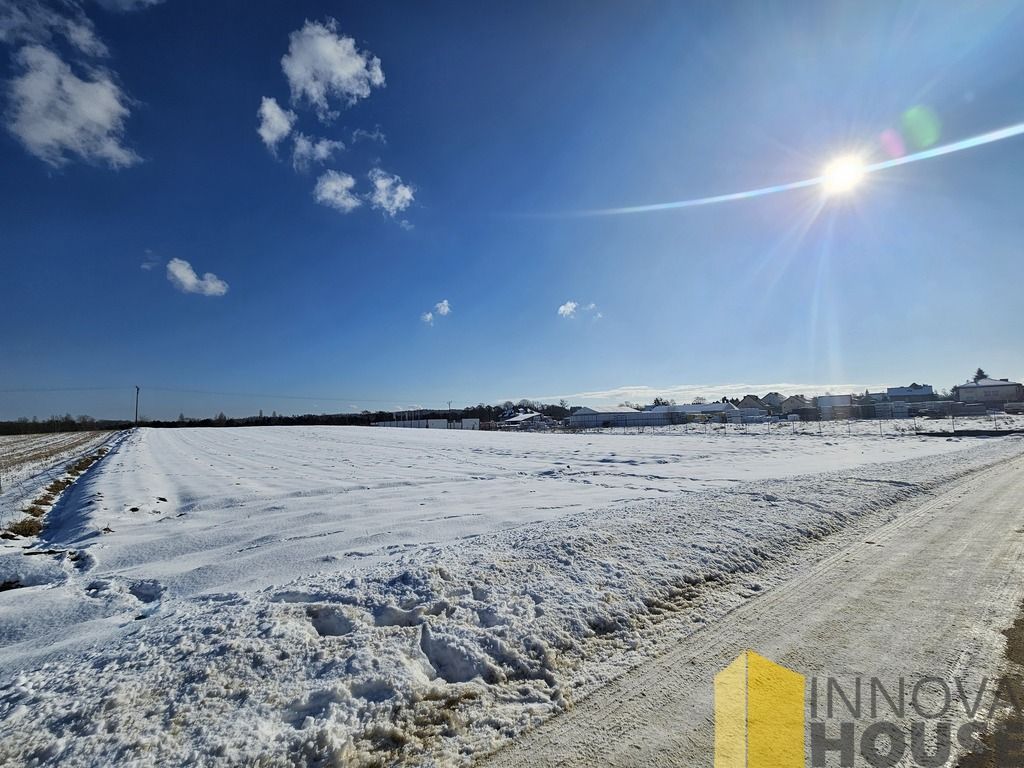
(389, 193)
(128, 5)
(568, 309)
(31, 21)
(150, 262)
(441, 309)
(310, 150)
(57, 115)
(322, 65)
(275, 123)
(572, 309)
(334, 189)
(185, 279)
(360, 134)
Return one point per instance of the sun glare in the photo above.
(842, 175)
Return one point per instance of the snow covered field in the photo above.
(361, 596)
(29, 462)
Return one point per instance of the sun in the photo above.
(842, 175)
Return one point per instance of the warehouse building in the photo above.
(612, 416)
(430, 424)
(692, 409)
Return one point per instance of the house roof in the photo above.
(521, 417)
(987, 383)
(913, 389)
(608, 409)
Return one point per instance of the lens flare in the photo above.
(921, 126)
(945, 149)
(892, 143)
(842, 175)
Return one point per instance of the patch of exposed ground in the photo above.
(1002, 746)
(33, 522)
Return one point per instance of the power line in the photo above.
(63, 389)
(220, 393)
(338, 398)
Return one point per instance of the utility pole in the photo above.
(136, 405)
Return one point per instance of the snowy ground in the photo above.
(357, 596)
(841, 427)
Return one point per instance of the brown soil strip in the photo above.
(1002, 745)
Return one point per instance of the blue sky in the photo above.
(133, 164)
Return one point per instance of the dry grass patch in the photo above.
(33, 524)
(58, 486)
(27, 526)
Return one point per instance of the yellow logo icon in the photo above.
(759, 715)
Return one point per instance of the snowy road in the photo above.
(927, 593)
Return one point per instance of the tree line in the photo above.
(486, 413)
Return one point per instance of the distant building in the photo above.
(430, 424)
(794, 403)
(752, 401)
(915, 393)
(835, 406)
(831, 401)
(658, 416)
(522, 420)
(992, 393)
(897, 409)
(774, 400)
(610, 416)
(695, 409)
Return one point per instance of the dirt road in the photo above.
(928, 593)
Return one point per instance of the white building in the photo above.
(695, 408)
(525, 420)
(611, 416)
(992, 393)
